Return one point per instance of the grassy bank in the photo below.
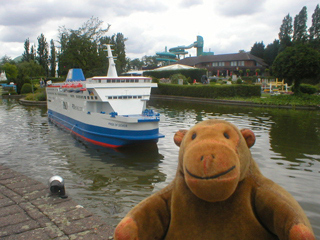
(286, 100)
(38, 95)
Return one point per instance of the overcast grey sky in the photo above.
(226, 26)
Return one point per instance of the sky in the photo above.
(226, 26)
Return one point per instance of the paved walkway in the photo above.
(27, 211)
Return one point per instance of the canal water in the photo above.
(109, 183)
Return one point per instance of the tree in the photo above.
(30, 69)
(285, 34)
(118, 46)
(136, 64)
(6, 59)
(26, 56)
(149, 62)
(258, 49)
(314, 30)
(43, 53)
(52, 59)
(271, 52)
(296, 63)
(11, 71)
(300, 26)
(82, 48)
(33, 53)
(27, 71)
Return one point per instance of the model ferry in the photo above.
(109, 111)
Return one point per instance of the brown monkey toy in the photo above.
(218, 193)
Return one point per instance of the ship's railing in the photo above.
(122, 80)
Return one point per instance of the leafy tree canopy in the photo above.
(258, 49)
(271, 52)
(118, 46)
(315, 28)
(286, 30)
(296, 63)
(82, 48)
(11, 70)
(300, 26)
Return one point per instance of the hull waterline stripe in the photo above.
(85, 138)
(104, 140)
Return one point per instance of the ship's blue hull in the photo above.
(103, 136)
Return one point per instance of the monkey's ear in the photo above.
(249, 137)
(179, 136)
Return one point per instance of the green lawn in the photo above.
(283, 99)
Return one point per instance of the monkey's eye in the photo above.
(194, 136)
(226, 135)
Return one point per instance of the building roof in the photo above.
(173, 67)
(242, 56)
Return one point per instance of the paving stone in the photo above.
(23, 183)
(31, 210)
(27, 189)
(102, 232)
(11, 180)
(36, 194)
(53, 231)
(8, 174)
(9, 210)
(90, 223)
(18, 228)
(4, 202)
(13, 219)
(77, 214)
(38, 233)
(12, 195)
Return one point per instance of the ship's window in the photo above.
(109, 97)
(125, 97)
(96, 97)
(139, 96)
(120, 97)
(91, 97)
(115, 97)
(134, 97)
(130, 97)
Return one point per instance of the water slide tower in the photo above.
(176, 52)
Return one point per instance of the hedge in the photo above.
(307, 88)
(208, 91)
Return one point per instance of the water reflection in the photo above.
(109, 182)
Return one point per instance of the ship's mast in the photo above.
(112, 71)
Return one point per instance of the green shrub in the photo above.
(175, 78)
(307, 88)
(239, 81)
(41, 96)
(208, 91)
(26, 88)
